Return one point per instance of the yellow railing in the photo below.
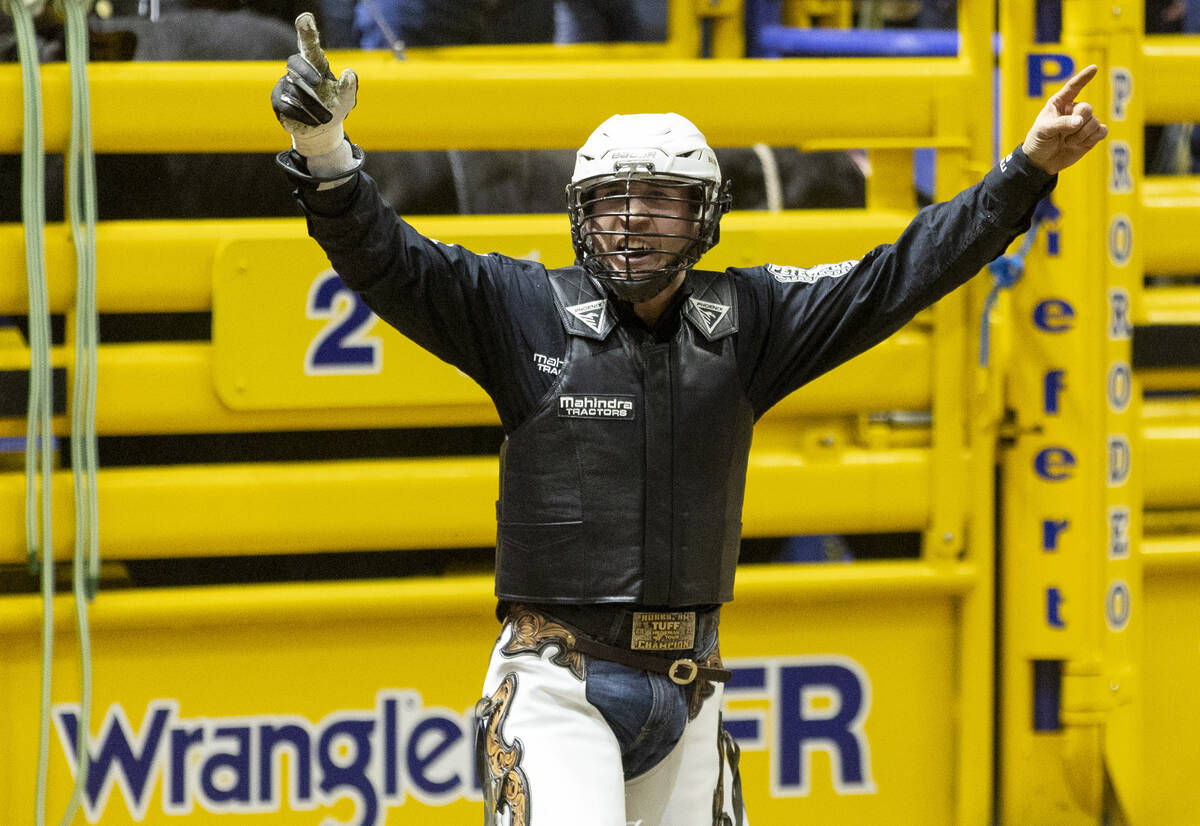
(1171, 547)
(820, 464)
(1101, 547)
(487, 105)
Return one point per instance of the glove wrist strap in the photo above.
(296, 168)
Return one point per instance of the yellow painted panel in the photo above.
(1171, 669)
(1183, 410)
(141, 266)
(287, 333)
(906, 651)
(1170, 213)
(1176, 378)
(735, 101)
(392, 654)
(1166, 524)
(1170, 554)
(423, 503)
(1168, 69)
(523, 52)
(167, 266)
(167, 387)
(1173, 305)
(1172, 478)
(890, 488)
(1072, 582)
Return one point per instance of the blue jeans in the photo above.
(647, 712)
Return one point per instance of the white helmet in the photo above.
(664, 149)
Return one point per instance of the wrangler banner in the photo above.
(353, 703)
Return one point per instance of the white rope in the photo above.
(771, 180)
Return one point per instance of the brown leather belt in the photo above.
(683, 671)
(657, 630)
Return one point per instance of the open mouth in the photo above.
(636, 255)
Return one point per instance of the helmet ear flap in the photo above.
(721, 204)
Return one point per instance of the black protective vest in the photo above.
(626, 484)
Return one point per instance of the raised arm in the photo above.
(823, 316)
(454, 303)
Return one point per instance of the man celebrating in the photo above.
(628, 385)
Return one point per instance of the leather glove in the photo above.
(309, 101)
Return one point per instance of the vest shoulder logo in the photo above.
(590, 313)
(709, 313)
(809, 275)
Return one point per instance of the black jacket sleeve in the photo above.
(490, 316)
(436, 294)
(811, 320)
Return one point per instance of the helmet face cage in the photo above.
(675, 209)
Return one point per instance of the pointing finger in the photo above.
(309, 41)
(1066, 95)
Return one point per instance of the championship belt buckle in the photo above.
(663, 631)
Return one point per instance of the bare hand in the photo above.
(1065, 130)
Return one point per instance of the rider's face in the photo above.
(647, 227)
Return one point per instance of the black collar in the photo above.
(666, 326)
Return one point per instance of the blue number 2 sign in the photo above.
(342, 346)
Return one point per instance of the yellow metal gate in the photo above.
(863, 692)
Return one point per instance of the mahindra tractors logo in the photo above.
(594, 406)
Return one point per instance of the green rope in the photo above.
(38, 447)
(81, 181)
(81, 124)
